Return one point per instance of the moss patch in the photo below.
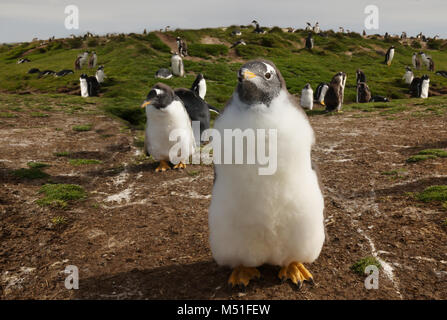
(83, 127)
(433, 193)
(420, 157)
(60, 194)
(80, 162)
(359, 266)
(62, 154)
(32, 173)
(37, 165)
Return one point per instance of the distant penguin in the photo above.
(320, 92)
(307, 97)
(89, 86)
(364, 34)
(316, 28)
(23, 60)
(46, 73)
(165, 112)
(182, 47)
(77, 63)
(258, 29)
(33, 70)
(379, 99)
(439, 73)
(420, 86)
(177, 65)
(100, 75)
(403, 36)
(335, 94)
(163, 73)
(199, 86)
(416, 61)
(238, 43)
(389, 56)
(360, 76)
(408, 76)
(309, 27)
(363, 93)
(236, 33)
(93, 60)
(84, 59)
(309, 41)
(425, 59)
(63, 73)
(431, 64)
(341, 30)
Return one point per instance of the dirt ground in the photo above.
(144, 235)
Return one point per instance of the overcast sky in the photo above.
(22, 20)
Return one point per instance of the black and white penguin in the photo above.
(182, 47)
(379, 99)
(83, 59)
(46, 73)
(165, 112)
(308, 27)
(93, 60)
(363, 93)
(307, 97)
(199, 86)
(442, 73)
(431, 64)
(364, 33)
(63, 73)
(309, 41)
(285, 227)
(416, 61)
(403, 36)
(361, 77)
(177, 65)
(316, 28)
(335, 94)
(258, 29)
(389, 56)
(408, 76)
(89, 86)
(341, 30)
(33, 70)
(236, 33)
(163, 73)
(238, 43)
(320, 92)
(420, 86)
(100, 75)
(23, 60)
(425, 60)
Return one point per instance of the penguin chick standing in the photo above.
(363, 93)
(335, 93)
(165, 112)
(309, 41)
(177, 65)
(276, 218)
(389, 56)
(419, 87)
(416, 61)
(100, 75)
(408, 76)
(89, 86)
(360, 76)
(307, 97)
(93, 60)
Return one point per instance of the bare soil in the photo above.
(144, 235)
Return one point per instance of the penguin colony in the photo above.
(291, 219)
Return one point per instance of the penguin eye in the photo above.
(268, 75)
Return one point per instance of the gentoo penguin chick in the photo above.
(182, 47)
(307, 97)
(163, 73)
(408, 76)
(177, 65)
(100, 75)
(419, 87)
(63, 73)
(363, 93)
(431, 64)
(84, 59)
(272, 218)
(416, 61)
(439, 73)
(320, 92)
(425, 59)
(199, 86)
(360, 76)
(165, 112)
(238, 43)
(309, 41)
(93, 60)
(335, 93)
(77, 63)
(389, 56)
(89, 86)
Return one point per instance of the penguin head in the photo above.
(83, 77)
(407, 68)
(425, 77)
(307, 86)
(259, 81)
(101, 68)
(338, 78)
(160, 96)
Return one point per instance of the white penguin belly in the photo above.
(408, 77)
(100, 76)
(160, 123)
(322, 94)
(84, 89)
(274, 219)
(202, 88)
(424, 89)
(307, 99)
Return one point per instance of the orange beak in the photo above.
(146, 103)
(249, 75)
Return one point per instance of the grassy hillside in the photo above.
(132, 60)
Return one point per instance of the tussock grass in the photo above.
(60, 194)
(359, 266)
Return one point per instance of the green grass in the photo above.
(420, 157)
(62, 154)
(37, 165)
(132, 60)
(80, 162)
(60, 194)
(427, 154)
(433, 193)
(59, 220)
(31, 173)
(82, 127)
(359, 266)
(39, 115)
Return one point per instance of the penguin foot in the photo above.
(163, 166)
(242, 275)
(296, 272)
(180, 166)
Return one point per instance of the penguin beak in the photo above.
(248, 75)
(146, 103)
